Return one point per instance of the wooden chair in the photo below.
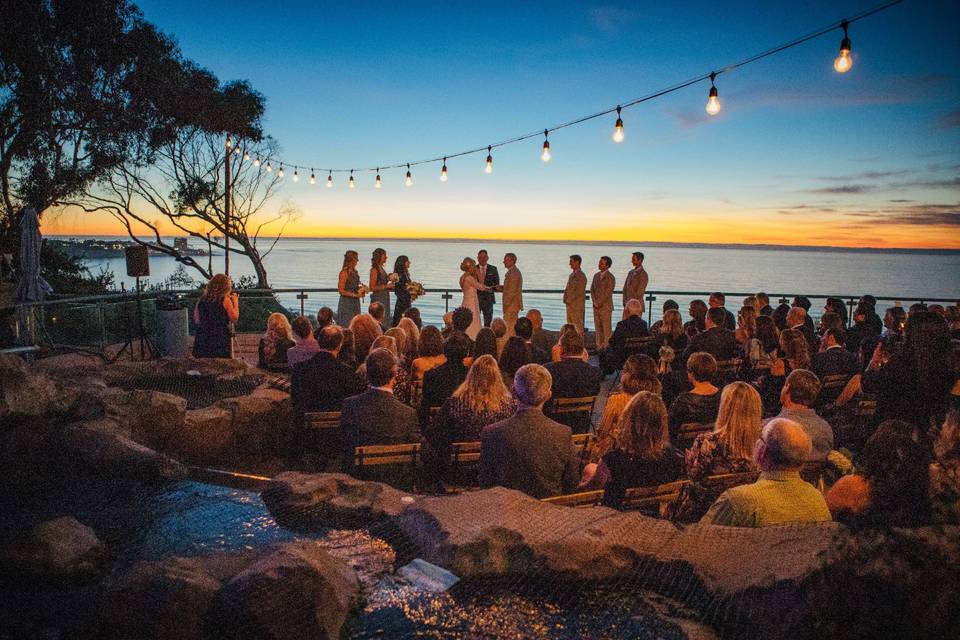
(565, 410)
(722, 482)
(632, 346)
(661, 496)
(581, 444)
(322, 420)
(395, 464)
(833, 385)
(582, 499)
(727, 370)
(465, 452)
(416, 393)
(689, 432)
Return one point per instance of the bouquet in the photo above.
(393, 277)
(362, 290)
(415, 289)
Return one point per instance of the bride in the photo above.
(469, 285)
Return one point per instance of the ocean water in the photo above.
(315, 263)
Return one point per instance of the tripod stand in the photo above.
(147, 349)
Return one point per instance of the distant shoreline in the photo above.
(620, 243)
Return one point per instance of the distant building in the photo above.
(180, 244)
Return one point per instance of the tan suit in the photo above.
(635, 286)
(601, 294)
(512, 298)
(574, 296)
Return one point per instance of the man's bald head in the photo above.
(783, 445)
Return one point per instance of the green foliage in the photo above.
(68, 275)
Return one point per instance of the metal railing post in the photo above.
(301, 297)
(650, 299)
(103, 326)
(447, 297)
(851, 303)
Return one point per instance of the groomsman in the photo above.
(601, 294)
(574, 296)
(512, 290)
(488, 276)
(635, 286)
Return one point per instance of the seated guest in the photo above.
(377, 311)
(860, 329)
(365, 329)
(403, 388)
(894, 322)
(746, 327)
(485, 345)
(764, 348)
(751, 301)
(795, 356)
(701, 403)
(306, 345)
(952, 314)
(780, 495)
(541, 340)
(447, 325)
(873, 320)
(892, 483)
(499, 328)
(516, 353)
(797, 319)
(835, 305)
(412, 348)
(763, 304)
(414, 314)
(441, 381)
(348, 350)
(718, 341)
(375, 416)
(322, 382)
(698, 315)
(632, 326)
(833, 360)
(429, 352)
(574, 378)
(671, 335)
(717, 301)
(945, 472)
(274, 343)
(325, 317)
(797, 398)
(829, 320)
(643, 456)
(524, 329)
(779, 316)
(555, 352)
(803, 302)
(639, 374)
(668, 305)
(459, 323)
(529, 451)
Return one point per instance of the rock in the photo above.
(206, 436)
(60, 548)
(307, 502)
(261, 423)
(23, 391)
(223, 368)
(102, 446)
(153, 417)
(297, 590)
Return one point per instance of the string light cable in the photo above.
(842, 64)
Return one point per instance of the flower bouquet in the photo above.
(393, 277)
(362, 290)
(415, 289)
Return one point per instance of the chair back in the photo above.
(662, 496)
(321, 420)
(377, 455)
(581, 444)
(835, 381)
(690, 430)
(637, 345)
(727, 370)
(581, 499)
(465, 452)
(583, 404)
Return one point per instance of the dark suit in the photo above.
(719, 342)
(836, 361)
(491, 278)
(321, 383)
(528, 452)
(376, 417)
(439, 384)
(574, 378)
(616, 355)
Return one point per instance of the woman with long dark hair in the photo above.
(215, 310)
(401, 267)
(348, 285)
(380, 284)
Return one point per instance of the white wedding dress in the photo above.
(469, 286)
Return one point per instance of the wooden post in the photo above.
(226, 207)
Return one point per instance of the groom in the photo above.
(487, 275)
(512, 290)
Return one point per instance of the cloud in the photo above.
(943, 215)
(844, 189)
(866, 175)
(805, 208)
(949, 120)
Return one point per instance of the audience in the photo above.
(869, 303)
(698, 315)
(632, 326)
(668, 305)
(365, 329)
(275, 342)
(945, 472)
(499, 328)
(555, 353)
(764, 347)
(529, 452)
(717, 340)
(441, 381)
(861, 329)
(894, 322)
(795, 356)
(322, 382)
(803, 302)
(833, 360)
(414, 314)
(639, 373)
(377, 311)
(306, 344)
(348, 350)
(746, 327)
(516, 353)
(952, 315)
(763, 304)
(485, 344)
(325, 317)
(798, 396)
(829, 320)
(779, 316)
(412, 348)
(574, 378)
(701, 403)
(797, 320)
(835, 305)
(892, 486)
(717, 300)
(429, 352)
(524, 329)
(672, 336)
(643, 455)
(460, 321)
(541, 340)
(780, 495)
(375, 416)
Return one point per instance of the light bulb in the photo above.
(313, 177)
(618, 129)
(489, 167)
(269, 168)
(246, 155)
(443, 171)
(843, 62)
(713, 101)
(376, 184)
(330, 180)
(280, 173)
(409, 179)
(256, 161)
(351, 183)
(296, 175)
(545, 156)
(229, 142)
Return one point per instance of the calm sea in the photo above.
(315, 263)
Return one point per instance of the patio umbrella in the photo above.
(30, 287)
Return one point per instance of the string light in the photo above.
(246, 155)
(269, 168)
(843, 62)
(280, 173)
(229, 142)
(443, 171)
(330, 180)
(313, 177)
(545, 155)
(376, 184)
(489, 167)
(618, 128)
(352, 184)
(713, 101)
(409, 179)
(256, 161)
(296, 175)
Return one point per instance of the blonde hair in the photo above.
(384, 342)
(483, 389)
(401, 339)
(643, 427)
(467, 264)
(348, 257)
(409, 327)
(278, 324)
(672, 323)
(738, 420)
(218, 287)
(365, 330)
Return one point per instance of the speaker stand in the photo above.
(147, 349)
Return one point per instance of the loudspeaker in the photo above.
(138, 261)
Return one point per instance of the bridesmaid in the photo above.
(380, 284)
(349, 287)
(402, 268)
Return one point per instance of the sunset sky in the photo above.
(798, 155)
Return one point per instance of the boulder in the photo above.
(101, 445)
(60, 548)
(206, 435)
(23, 391)
(121, 373)
(297, 590)
(261, 423)
(153, 417)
